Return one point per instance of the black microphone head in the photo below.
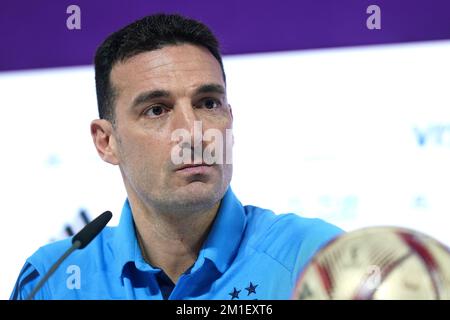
(92, 229)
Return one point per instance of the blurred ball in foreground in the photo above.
(378, 263)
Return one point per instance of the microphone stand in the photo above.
(55, 266)
(79, 241)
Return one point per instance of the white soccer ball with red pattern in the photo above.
(378, 263)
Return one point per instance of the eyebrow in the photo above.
(210, 88)
(156, 94)
(149, 95)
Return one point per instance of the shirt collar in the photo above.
(220, 246)
(125, 246)
(224, 239)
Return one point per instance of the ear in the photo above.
(104, 141)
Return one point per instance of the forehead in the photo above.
(173, 67)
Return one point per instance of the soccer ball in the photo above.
(377, 263)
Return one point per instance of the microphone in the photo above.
(79, 241)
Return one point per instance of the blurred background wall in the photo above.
(332, 119)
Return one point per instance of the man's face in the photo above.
(159, 92)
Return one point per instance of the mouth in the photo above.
(201, 168)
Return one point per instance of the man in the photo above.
(182, 234)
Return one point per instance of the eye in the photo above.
(210, 103)
(155, 111)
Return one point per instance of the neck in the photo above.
(172, 242)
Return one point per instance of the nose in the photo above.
(184, 117)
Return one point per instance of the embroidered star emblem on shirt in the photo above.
(251, 289)
(234, 294)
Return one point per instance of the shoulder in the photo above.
(269, 226)
(286, 222)
(40, 262)
(288, 238)
(46, 255)
(35, 267)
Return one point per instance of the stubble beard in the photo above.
(185, 201)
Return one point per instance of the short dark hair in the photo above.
(147, 34)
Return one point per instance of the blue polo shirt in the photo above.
(250, 253)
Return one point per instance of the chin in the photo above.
(200, 190)
(199, 195)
